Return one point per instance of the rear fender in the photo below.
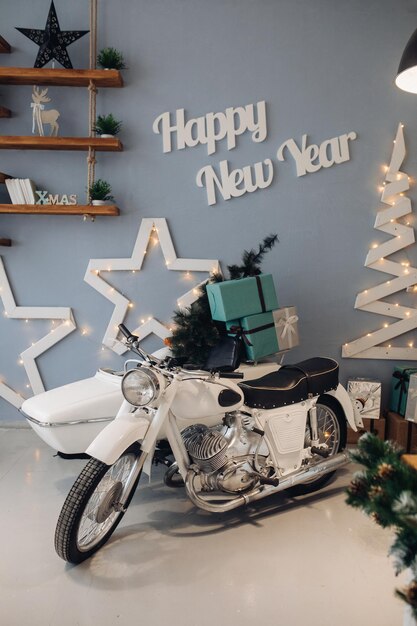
(344, 400)
(117, 437)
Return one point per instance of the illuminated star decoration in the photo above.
(52, 41)
(27, 358)
(134, 263)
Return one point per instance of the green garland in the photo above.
(386, 490)
(195, 333)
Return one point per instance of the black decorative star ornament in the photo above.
(52, 41)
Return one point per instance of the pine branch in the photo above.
(251, 260)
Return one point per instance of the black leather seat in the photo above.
(291, 383)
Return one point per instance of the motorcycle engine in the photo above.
(229, 457)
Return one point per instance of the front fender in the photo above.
(117, 437)
(343, 398)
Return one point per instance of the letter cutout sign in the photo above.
(227, 125)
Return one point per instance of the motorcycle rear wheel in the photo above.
(90, 513)
(333, 432)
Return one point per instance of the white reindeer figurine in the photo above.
(40, 116)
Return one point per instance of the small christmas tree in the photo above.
(195, 333)
(380, 257)
(386, 490)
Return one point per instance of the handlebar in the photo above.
(231, 375)
(126, 332)
(133, 342)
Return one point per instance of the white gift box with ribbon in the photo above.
(286, 326)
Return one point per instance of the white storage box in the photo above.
(68, 418)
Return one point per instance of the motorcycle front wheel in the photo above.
(332, 431)
(96, 504)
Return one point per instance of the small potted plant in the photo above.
(107, 125)
(111, 59)
(100, 192)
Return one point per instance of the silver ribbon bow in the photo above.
(287, 325)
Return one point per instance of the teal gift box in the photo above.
(259, 334)
(235, 299)
(399, 388)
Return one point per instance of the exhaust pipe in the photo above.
(314, 471)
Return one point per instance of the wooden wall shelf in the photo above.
(5, 112)
(60, 209)
(4, 45)
(59, 77)
(21, 142)
(5, 242)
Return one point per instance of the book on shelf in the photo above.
(21, 190)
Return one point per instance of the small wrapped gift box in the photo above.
(399, 388)
(411, 406)
(233, 299)
(286, 327)
(365, 395)
(258, 333)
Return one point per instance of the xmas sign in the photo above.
(226, 182)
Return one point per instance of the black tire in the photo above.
(329, 416)
(87, 505)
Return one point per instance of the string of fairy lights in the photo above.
(377, 344)
(151, 231)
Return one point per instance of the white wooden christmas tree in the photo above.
(405, 277)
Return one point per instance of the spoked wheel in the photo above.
(332, 432)
(95, 505)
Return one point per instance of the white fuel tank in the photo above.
(199, 400)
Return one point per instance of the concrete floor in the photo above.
(280, 562)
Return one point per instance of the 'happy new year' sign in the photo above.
(230, 183)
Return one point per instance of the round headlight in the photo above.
(140, 386)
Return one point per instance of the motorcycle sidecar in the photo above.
(68, 418)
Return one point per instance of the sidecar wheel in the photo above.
(333, 432)
(90, 513)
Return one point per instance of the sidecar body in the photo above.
(68, 418)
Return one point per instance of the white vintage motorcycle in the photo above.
(231, 443)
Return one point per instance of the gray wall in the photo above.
(323, 68)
